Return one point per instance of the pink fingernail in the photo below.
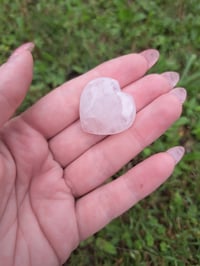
(172, 77)
(180, 93)
(177, 153)
(151, 55)
(24, 47)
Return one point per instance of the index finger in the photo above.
(59, 109)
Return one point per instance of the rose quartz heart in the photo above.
(104, 108)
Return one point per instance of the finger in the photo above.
(107, 157)
(29, 46)
(143, 91)
(60, 107)
(15, 78)
(102, 205)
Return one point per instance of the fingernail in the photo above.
(177, 153)
(151, 55)
(172, 77)
(24, 47)
(180, 93)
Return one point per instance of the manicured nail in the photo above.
(177, 153)
(180, 93)
(24, 47)
(172, 77)
(151, 55)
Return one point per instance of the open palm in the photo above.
(52, 175)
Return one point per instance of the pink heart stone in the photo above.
(104, 108)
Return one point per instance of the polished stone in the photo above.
(104, 108)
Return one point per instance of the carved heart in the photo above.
(104, 108)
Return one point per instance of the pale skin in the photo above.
(52, 175)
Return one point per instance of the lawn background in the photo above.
(71, 37)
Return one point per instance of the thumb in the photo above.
(15, 78)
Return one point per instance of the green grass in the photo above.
(73, 36)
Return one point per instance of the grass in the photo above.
(73, 36)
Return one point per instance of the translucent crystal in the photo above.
(104, 108)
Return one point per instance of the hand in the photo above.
(52, 173)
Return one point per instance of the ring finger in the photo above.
(105, 158)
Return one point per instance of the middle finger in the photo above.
(73, 141)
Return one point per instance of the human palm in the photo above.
(52, 175)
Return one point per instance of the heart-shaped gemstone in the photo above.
(104, 108)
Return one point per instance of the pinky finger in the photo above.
(102, 205)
